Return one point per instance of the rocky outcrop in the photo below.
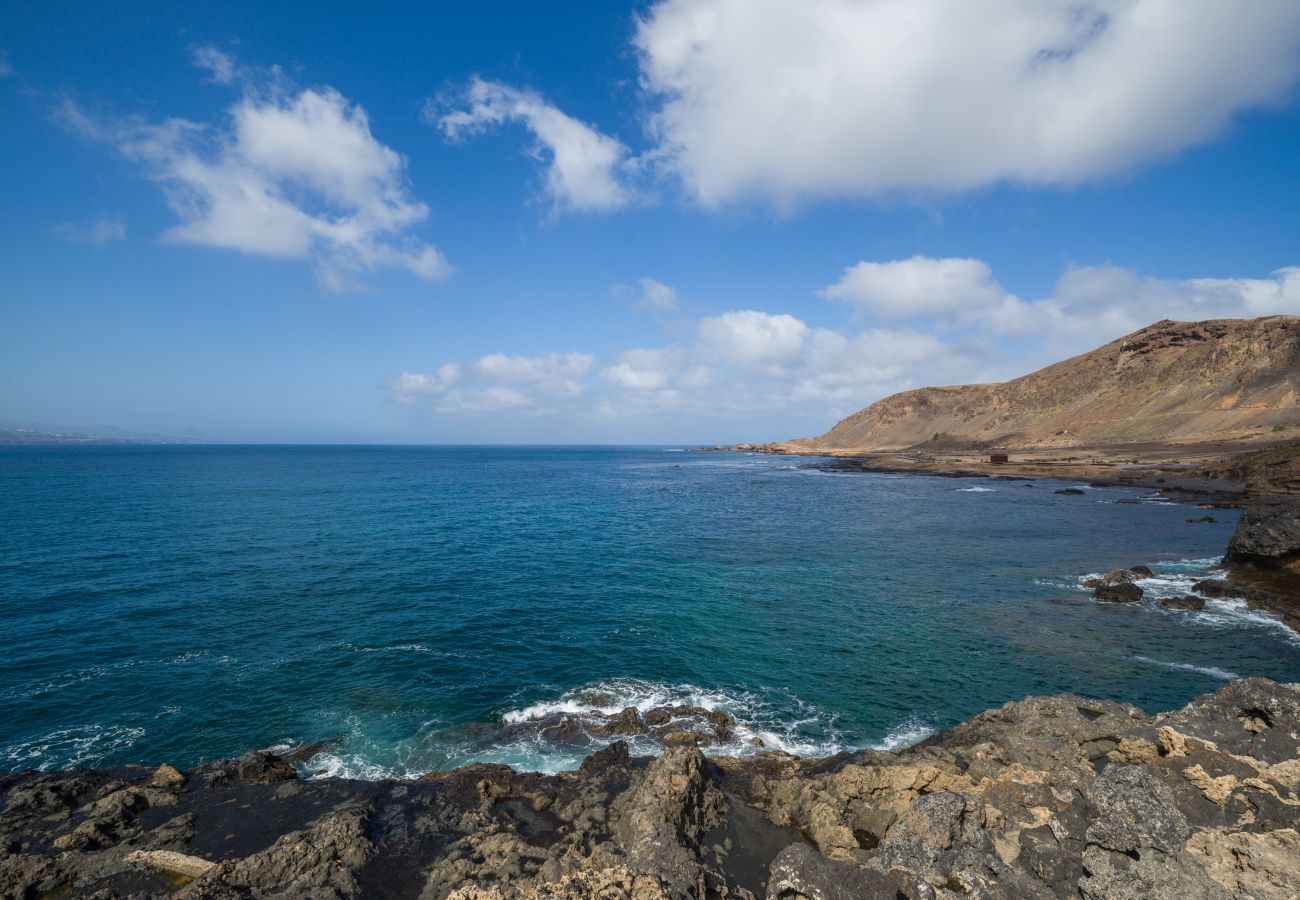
(1268, 535)
(1045, 797)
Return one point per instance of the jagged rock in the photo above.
(1186, 602)
(1047, 797)
(317, 863)
(171, 861)
(1118, 593)
(627, 722)
(1252, 717)
(1118, 576)
(663, 819)
(801, 873)
(1142, 571)
(941, 834)
(1268, 535)
(1215, 588)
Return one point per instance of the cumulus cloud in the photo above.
(293, 175)
(916, 286)
(739, 361)
(99, 233)
(1088, 306)
(496, 382)
(583, 168)
(756, 341)
(784, 100)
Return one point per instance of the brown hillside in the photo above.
(1184, 382)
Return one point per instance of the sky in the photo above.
(682, 221)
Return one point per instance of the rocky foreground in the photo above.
(1045, 797)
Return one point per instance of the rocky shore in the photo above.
(1044, 797)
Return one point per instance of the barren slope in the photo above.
(1172, 381)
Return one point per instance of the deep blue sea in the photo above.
(388, 606)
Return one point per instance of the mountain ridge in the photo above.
(1181, 382)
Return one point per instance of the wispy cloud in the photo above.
(584, 170)
(648, 295)
(293, 174)
(221, 67)
(100, 232)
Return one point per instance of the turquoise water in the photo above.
(393, 604)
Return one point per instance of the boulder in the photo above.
(1214, 588)
(1124, 592)
(1072, 492)
(1187, 602)
(1268, 535)
(1142, 571)
(1117, 576)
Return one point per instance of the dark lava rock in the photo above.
(1071, 492)
(1046, 797)
(627, 722)
(1268, 535)
(1118, 576)
(1125, 592)
(799, 871)
(1142, 571)
(1215, 588)
(1187, 602)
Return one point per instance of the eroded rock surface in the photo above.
(1042, 798)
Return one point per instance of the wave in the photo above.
(761, 722)
(1212, 671)
(977, 490)
(1176, 578)
(910, 731)
(70, 748)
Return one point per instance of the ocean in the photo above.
(383, 611)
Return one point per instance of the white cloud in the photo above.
(1088, 306)
(583, 167)
(740, 362)
(98, 233)
(755, 340)
(494, 383)
(288, 175)
(6, 69)
(916, 286)
(654, 296)
(222, 69)
(785, 100)
(646, 370)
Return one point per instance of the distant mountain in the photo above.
(39, 433)
(1183, 382)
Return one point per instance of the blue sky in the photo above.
(657, 222)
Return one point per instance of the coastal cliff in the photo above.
(1171, 382)
(1045, 797)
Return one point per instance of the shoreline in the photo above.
(1042, 797)
(1262, 560)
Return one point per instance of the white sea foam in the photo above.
(84, 745)
(911, 731)
(1212, 671)
(1176, 578)
(977, 490)
(1233, 612)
